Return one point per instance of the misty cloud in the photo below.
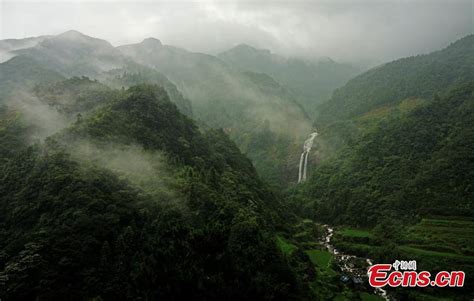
(344, 30)
(145, 170)
(45, 119)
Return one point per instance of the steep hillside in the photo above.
(418, 76)
(75, 54)
(9, 45)
(408, 165)
(245, 104)
(45, 60)
(216, 95)
(396, 167)
(404, 180)
(312, 82)
(220, 96)
(137, 74)
(79, 220)
(77, 95)
(22, 73)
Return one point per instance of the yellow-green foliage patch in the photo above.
(410, 104)
(284, 246)
(377, 113)
(320, 258)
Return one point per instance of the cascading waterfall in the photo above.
(308, 144)
(301, 167)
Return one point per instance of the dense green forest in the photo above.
(411, 139)
(202, 86)
(22, 73)
(404, 165)
(72, 228)
(147, 172)
(396, 164)
(416, 76)
(245, 103)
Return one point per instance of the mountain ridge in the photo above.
(314, 80)
(415, 76)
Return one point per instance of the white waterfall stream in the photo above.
(344, 260)
(308, 144)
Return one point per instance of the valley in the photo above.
(147, 171)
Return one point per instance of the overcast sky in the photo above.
(354, 31)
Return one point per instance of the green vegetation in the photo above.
(349, 232)
(320, 258)
(135, 75)
(72, 228)
(453, 235)
(436, 244)
(77, 95)
(313, 264)
(396, 168)
(110, 190)
(22, 73)
(14, 133)
(259, 114)
(418, 76)
(420, 252)
(75, 54)
(286, 247)
(423, 153)
(369, 297)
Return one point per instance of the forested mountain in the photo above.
(75, 54)
(403, 164)
(396, 165)
(22, 73)
(220, 96)
(246, 104)
(148, 172)
(417, 76)
(79, 220)
(314, 81)
(407, 177)
(9, 45)
(397, 138)
(136, 74)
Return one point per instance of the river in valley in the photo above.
(353, 268)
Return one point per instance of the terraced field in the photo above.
(452, 238)
(435, 243)
(350, 232)
(446, 236)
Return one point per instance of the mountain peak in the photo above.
(78, 37)
(72, 34)
(151, 43)
(246, 48)
(73, 39)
